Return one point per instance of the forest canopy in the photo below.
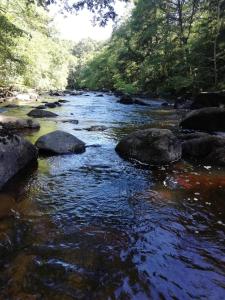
(165, 46)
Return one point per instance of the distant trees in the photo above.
(166, 46)
(31, 55)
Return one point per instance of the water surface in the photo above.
(94, 226)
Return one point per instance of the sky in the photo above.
(77, 27)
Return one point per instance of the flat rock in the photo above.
(39, 113)
(12, 105)
(18, 123)
(63, 101)
(70, 121)
(205, 119)
(51, 105)
(151, 146)
(15, 153)
(97, 128)
(41, 107)
(60, 142)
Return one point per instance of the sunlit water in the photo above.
(94, 226)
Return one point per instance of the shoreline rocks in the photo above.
(208, 99)
(205, 119)
(151, 146)
(60, 142)
(16, 153)
(18, 123)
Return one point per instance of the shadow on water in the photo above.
(94, 226)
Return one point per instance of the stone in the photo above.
(51, 105)
(208, 99)
(97, 128)
(63, 101)
(12, 105)
(18, 123)
(41, 107)
(127, 99)
(205, 119)
(151, 146)
(39, 113)
(209, 149)
(15, 153)
(60, 142)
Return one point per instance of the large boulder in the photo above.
(15, 154)
(39, 113)
(151, 146)
(206, 119)
(60, 142)
(18, 123)
(208, 99)
(208, 149)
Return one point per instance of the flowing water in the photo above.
(94, 226)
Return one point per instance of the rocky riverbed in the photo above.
(97, 225)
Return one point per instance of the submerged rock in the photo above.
(206, 119)
(60, 142)
(69, 121)
(209, 149)
(15, 153)
(18, 123)
(39, 113)
(151, 146)
(51, 105)
(97, 128)
(12, 105)
(63, 101)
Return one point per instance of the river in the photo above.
(94, 226)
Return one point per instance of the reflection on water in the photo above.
(93, 226)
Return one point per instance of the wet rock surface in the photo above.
(60, 142)
(39, 113)
(206, 119)
(208, 99)
(208, 149)
(97, 128)
(15, 154)
(18, 123)
(151, 146)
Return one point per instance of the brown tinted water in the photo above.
(94, 226)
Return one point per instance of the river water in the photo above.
(94, 226)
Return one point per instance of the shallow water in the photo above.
(94, 226)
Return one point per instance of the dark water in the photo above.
(93, 226)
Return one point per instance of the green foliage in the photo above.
(31, 55)
(165, 46)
